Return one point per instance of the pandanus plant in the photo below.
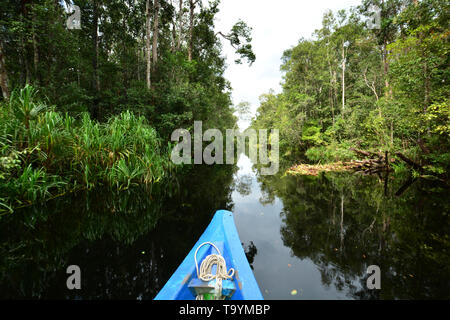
(24, 106)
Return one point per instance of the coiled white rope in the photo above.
(205, 272)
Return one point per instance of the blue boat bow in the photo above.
(223, 234)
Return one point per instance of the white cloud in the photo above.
(277, 26)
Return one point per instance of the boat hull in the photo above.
(222, 232)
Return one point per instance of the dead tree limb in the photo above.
(409, 161)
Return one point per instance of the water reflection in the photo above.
(318, 235)
(250, 252)
(127, 245)
(305, 237)
(243, 184)
(276, 269)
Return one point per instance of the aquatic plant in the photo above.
(43, 152)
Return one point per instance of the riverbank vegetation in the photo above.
(351, 89)
(44, 152)
(93, 90)
(346, 222)
(135, 236)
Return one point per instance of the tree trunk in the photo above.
(392, 133)
(422, 146)
(180, 24)
(174, 35)
(427, 90)
(27, 65)
(147, 42)
(386, 71)
(155, 33)
(343, 78)
(335, 87)
(173, 45)
(3, 74)
(388, 92)
(23, 42)
(95, 79)
(192, 4)
(330, 92)
(386, 175)
(342, 223)
(372, 87)
(35, 49)
(95, 82)
(138, 56)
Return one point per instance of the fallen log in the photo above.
(367, 153)
(405, 186)
(422, 146)
(364, 153)
(378, 162)
(409, 161)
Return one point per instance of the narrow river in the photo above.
(279, 273)
(305, 237)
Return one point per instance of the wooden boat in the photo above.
(222, 233)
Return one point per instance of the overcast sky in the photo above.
(277, 26)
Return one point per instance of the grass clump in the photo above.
(44, 153)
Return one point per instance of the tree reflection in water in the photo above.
(126, 243)
(243, 184)
(344, 223)
(250, 252)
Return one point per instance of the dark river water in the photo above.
(305, 237)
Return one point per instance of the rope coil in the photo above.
(205, 272)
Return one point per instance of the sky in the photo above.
(277, 26)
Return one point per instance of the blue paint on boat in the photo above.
(222, 232)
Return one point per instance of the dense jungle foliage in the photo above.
(355, 85)
(95, 100)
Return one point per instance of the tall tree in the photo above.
(192, 5)
(35, 42)
(147, 43)
(344, 63)
(180, 24)
(4, 83)
(156, 7)
(95, 52)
